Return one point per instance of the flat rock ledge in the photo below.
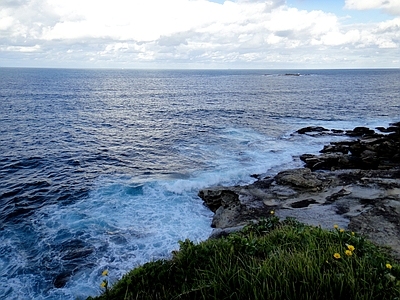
(354, 184)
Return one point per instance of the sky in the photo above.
(200, 34)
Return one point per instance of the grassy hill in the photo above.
(272, 259)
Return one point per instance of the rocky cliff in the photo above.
(354, 184)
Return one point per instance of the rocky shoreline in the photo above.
(354, 184)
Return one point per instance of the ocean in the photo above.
(100, 169)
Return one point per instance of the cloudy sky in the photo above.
(200, 33)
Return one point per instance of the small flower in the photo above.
(103, 284)
(341, 230)
(348, 253)
(105, 273)
(352, 233)
(389, 266)
(336, 226)
(336, 255)
(350, 247)
(271, 212)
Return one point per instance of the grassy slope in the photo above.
(271, 260)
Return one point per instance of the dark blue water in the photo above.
(100, 169)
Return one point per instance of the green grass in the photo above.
(270, 260)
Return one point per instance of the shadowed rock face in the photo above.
(370, 151)
(354, 184)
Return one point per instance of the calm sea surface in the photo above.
(100, 169)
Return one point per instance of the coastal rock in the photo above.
(219, 197)
(61, 279)
(354, 183)
(360, 131)
(343, 148)
(226, 216)
(386, 130)
(331, 161)
(224, 203)
(311, 129)
(371, 151)
(380, 224)
(299, 178)
(319, 130)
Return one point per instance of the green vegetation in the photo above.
(272, 259)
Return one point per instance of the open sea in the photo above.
(100, 169)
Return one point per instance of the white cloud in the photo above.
(179, 32)
(26, 49)
(140, 20)
(389, 6)
(388, 34)
(336, 38)
(5, 21)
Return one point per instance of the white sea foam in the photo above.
(124, 224)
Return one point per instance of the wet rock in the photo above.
(264, 183)
(61, 279)
(333, 197)
(214, 198)
(224, 203)
(337, 131)
(303, 203)
(371, 151)
(77, 254)
(386, 130)
(360, 131)
(337, 147)
(396, 124)
(311, 129)
(75, 249)
(331, 161)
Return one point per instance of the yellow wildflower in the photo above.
(272, 212)
(348, 253)
(105, 273)
(350, 247)
(389, 266)
(336, 255)
(352, 233)
(341, 230)
(103, 284)
(336, 226)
